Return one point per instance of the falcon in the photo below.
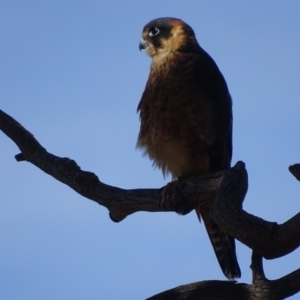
(186, 117)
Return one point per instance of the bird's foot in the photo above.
(165, 203)
(174, 198)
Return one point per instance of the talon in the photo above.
(165, 199)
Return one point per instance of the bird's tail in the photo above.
(223, 244)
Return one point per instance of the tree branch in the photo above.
(295, 170)
(119, 202)
(267, 239)
(260, 289)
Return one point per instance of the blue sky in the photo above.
(72, 74)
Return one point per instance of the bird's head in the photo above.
(164, 35)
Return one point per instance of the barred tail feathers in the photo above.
(223, 244)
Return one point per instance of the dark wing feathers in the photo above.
(219, 139)
(219, 110)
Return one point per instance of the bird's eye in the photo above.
(154, 31)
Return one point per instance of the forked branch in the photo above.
(267, 239)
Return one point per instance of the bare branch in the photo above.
(257, 268)
(266, 238)
(260, 289)
(295, 170)
(119, 202)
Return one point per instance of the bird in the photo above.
(186, 117)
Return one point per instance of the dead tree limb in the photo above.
(267, 239)
(260, 289)
(119, 202)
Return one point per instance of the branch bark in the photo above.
(267, 239)
(260, 289)
(119, 202)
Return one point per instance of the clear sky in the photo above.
(72, 74)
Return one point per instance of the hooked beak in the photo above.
(142, 44)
